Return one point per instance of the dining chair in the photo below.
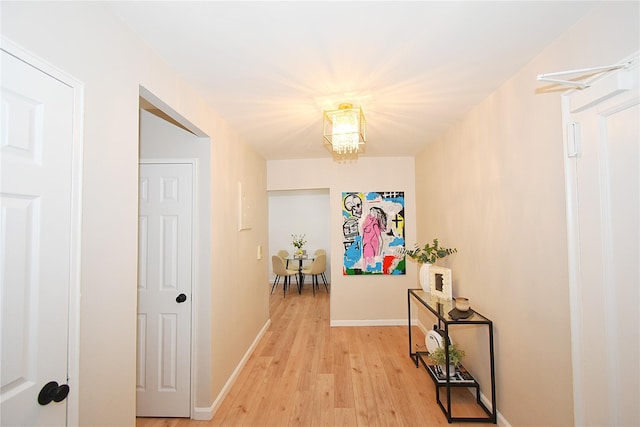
(279, 269)
(318, 252)
(317, 268)
(284, 255)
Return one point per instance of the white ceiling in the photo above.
(271, 68)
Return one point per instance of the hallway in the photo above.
(305, 373)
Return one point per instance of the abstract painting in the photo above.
(373, 232)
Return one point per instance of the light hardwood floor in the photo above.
(306, 373)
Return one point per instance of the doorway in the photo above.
(300, 212)
(166, 137)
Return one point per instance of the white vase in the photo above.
(424, 276)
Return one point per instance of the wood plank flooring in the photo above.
(306, 373)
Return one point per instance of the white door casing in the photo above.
(40, 238)
(602, 159)
(164, 273)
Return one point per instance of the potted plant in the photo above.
(430, 253)
(438, 357)
(426, 256)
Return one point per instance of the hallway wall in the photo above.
(85, 41)
(497, 178)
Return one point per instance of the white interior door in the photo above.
(603, 185)
(36, 248)
(164, 290)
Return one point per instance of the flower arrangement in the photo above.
(430, 253)
(298, 241)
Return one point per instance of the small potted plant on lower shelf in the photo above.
(438, 357)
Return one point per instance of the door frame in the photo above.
(573, 242)
(73, 346)
(194, 258)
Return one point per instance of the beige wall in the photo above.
(81, 39)
(493, 186)
(357, 300)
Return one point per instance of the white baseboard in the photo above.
(502, 421)
(202, 414)
(207, 413)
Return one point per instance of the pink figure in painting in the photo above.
(374, 225)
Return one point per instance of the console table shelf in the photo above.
(440, 309)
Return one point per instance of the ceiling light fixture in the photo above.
(344, 129)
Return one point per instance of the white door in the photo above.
(164, 290)
(603, 183)
(36, 248)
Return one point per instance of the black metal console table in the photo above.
(440, 308)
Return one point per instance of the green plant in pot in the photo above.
(430, 253)
(438, 357)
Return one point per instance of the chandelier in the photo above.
(344, 129)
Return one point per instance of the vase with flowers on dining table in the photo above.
(298, 241)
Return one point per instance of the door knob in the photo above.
(53, 392)
(181, 298)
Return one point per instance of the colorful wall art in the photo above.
(373, 232)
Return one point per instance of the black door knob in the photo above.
(181, 298)
(52, 392)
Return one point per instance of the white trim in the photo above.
(207, 413)
(501, 420)
(75, 252)
(611, 343)
(573, 245)
(203, 413)
(180, 161)
(573, 242)
(166, 109)
(195, 279)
